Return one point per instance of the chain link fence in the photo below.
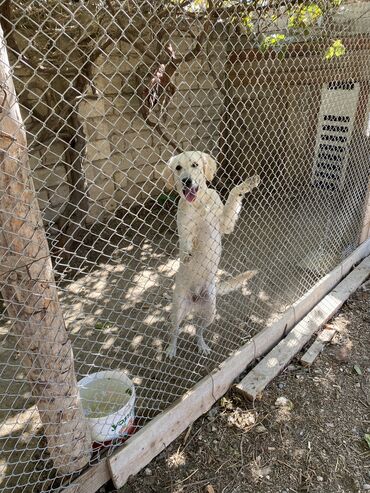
(109, 91)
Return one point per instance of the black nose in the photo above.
(187, 182)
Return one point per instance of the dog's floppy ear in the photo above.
(210, 166)
(168, 176)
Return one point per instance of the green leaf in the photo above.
(336, 49)
(367, 439)
(102, 325)
(357, 370)
(272, 41)
(305, 16)
(247, 22)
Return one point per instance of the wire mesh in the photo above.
(109, 92)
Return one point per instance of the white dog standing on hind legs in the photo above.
(202, 219)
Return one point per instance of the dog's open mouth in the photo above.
(190, 193)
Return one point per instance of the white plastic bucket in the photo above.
(108, 402)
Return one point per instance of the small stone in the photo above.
(148, 472)
(320, 478)
(284, 402)
(281, 385)
(291, 367)
(213, 429)
(212, 412)
(215, 442)
(366, 487)
(260, 429)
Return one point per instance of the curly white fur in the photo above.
(202, 219)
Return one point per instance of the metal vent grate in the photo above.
(335, 127)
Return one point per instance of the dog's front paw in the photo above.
(171, 351)
(186, 258)
(247, 185)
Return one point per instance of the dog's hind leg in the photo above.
(180, 308)
(206, 314)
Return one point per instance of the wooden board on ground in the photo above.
(278, 358)
(317, 347)
(90, 480)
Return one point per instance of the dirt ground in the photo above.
(314, 443)
(116, 299)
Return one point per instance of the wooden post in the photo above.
(362, 121)
(29, 292)
(365, 230)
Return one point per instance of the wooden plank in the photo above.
(90, 480)
(317, 347)
(141, 448)
(276, 360)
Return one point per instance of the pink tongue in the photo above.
(190, 194)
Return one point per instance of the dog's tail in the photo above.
(235, 283)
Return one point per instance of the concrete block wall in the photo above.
(124, 156)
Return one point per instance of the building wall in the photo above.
(124, 156)
(272, 114)
(249, 114)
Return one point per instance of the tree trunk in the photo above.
(28, 289)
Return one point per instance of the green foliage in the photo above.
(272, 41)
(247, 21)
(305, 16)
(335, 50)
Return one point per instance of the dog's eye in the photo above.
(194, 165)
(178, 167)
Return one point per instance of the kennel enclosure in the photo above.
(107, 94)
